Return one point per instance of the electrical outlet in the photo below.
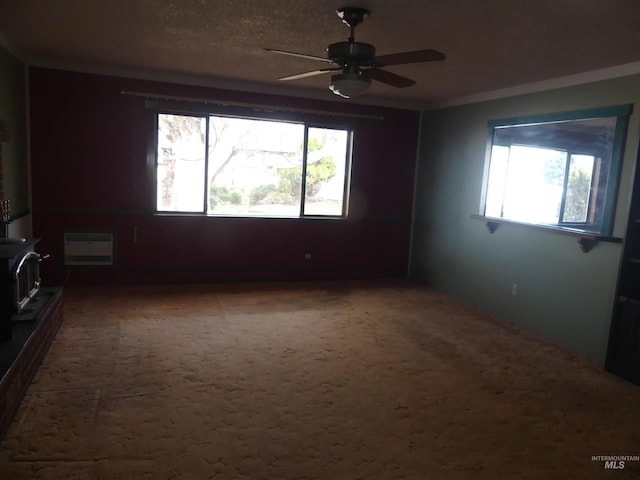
(307, 256)
(514, 289)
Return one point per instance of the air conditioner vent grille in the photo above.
(88, 248)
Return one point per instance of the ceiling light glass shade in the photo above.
(349, 85)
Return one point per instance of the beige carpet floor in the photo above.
(344, 380)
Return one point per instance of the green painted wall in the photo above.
(564, 295)
(13, 109)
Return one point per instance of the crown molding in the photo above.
(8, 46)
(609, 73)
(221, 83)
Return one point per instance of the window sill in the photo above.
(246, 217)
(587, 241)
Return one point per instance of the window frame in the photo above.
(309, 120)
(605, 226)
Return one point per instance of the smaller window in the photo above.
(559, 171)
(234, 166)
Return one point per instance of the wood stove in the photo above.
(26, 281)
(19, 281)
(30, 316)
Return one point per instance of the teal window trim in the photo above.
(621, 112)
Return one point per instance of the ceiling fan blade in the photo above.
(300, 55)
(389, 78)
(417, 56)
(310, 74)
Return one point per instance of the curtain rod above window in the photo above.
(263, 108)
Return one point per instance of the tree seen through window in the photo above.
(250, 167)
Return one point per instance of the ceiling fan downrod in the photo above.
(352, 16)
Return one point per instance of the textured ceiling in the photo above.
(490, 44)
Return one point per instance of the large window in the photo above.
(223, 165)
(543, 185)
(558, 171)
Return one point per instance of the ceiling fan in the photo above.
(358, 61)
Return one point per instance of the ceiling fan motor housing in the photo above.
(352, 53)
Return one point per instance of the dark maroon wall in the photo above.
(88, 164)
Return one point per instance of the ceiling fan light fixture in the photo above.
(349, 85)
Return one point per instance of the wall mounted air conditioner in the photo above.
(91, 248)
